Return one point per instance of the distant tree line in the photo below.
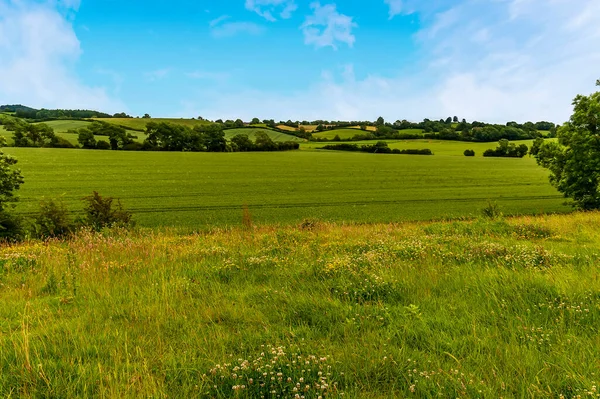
(43, 114)
(118, 138)
(33, 135)
(164, 136)
(381, 147)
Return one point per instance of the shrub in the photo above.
(60, 142)
(135, 146)
(491, 211)
(102, 145)
(103, 212)
(469, 153)
(506, 149)
(11, 227)
(53, 220)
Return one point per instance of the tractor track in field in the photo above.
(230, 207)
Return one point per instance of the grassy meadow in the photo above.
(479, 309)
(196, 190)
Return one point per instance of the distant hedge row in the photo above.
(380, 147)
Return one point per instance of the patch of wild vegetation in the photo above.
(488, 308)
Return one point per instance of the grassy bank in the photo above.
(467, 309)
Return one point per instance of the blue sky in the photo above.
(493, 60)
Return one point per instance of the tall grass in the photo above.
(488, 308)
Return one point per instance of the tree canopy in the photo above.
(574, 162)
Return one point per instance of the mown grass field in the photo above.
(204, 189)
(251, 133)
(481, 309)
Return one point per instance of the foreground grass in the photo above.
(466, 309)
(203, 189)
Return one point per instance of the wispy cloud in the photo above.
(230, 29)
(326, 26)
(266, 8)
(396, 7)
(496, 62)
(39, 49)
(217, 21)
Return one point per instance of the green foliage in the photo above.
(491, 211)
(469, 153)
(118, 137)
(506, 149)
(30, 135)
(535, 147)
(10, 180)
(86, 138)
(381, 147)
(53, 220)
(102, 145)
(11, 226)
(101, 212)
(574, 162)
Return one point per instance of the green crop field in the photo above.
(62, 126)
(343, 133)
(251, 133)
(140, 123)
(439, 147)
(482, 309)
(200, 189)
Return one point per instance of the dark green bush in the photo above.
(103, 212)
(102, 145)
(11, 227)
(469, 153)
(53, 220)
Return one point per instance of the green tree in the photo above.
(264, 142)
(86, 138)
(380, 121)
(10, 180)
(242, 142)
(214, 137)
(574, 162)
(33, 135)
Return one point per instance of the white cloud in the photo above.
(326, 26)
(233, 28)
(39, 49)
(396, 7)
(228, 29)
(493, 62)
(217, 21)
(511, 61)
(266, 8)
